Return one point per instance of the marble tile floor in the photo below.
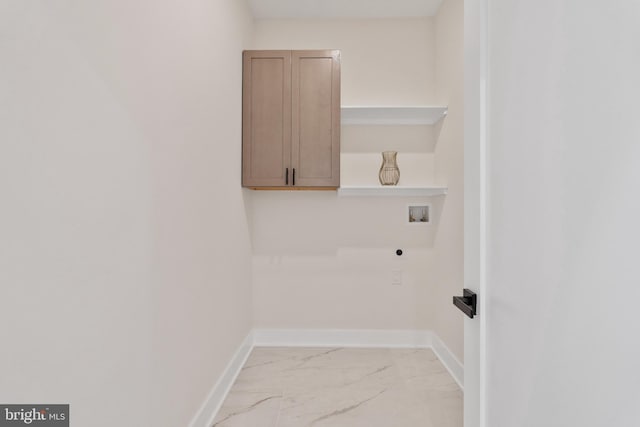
(342, 387)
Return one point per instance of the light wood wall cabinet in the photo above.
(291, 119)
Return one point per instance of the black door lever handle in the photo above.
(467, 303)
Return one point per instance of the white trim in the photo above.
(477, 225)
(484, 207)
(209, 409)
(364, 338)
(448, 359)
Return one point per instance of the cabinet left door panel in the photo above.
(266, 118)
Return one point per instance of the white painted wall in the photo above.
(384, 61)
(338, 9)
(326, 262)
(125, 260)
(564, 174)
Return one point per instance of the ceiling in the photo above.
(343, 8)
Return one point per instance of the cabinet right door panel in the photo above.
(266, 130)
(315, 118)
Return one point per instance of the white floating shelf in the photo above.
(376, 191)
(372, 115)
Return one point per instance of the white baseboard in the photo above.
(207, 412)
(448, 359)
(363, 338)
(366, 338)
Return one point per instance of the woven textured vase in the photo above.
(389, 172)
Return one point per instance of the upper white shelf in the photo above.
(378, 115)
(363, 191)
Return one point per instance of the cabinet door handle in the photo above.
(294, 176)
(286, 179)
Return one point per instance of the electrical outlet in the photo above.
(396, 277)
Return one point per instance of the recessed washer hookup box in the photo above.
(35, 415)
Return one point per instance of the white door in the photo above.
(474, 206)
(554, 250)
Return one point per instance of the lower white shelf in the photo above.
(387, 115)
(376, 191)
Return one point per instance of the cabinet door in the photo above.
(315, 136)
(266, 118)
